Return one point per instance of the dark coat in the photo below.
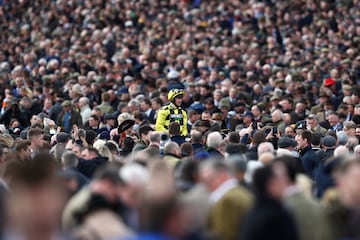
(252, 153)
(198, 147)
(89, 167)
(309, 160)
(268, 219)
(323, 177)
(215, 153)
(178, 139)
(75, 118)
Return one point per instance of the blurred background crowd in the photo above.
(187, 119)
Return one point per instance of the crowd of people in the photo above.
(189, 119)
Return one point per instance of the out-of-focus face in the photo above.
(36, 208)
(279, 182)
(348, 186)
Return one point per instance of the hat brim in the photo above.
(125, 125)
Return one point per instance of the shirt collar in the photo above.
(216, 195)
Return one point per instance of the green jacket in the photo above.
(227, 215)
(309, 216)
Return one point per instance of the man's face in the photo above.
(301, 143)
(289, 131)
(255, 111)
(349, 188)
(85, 154)
(349, 131)
(333, 119)
(92, 122)
(76, 150)
(178, 100)
(66, 108)
(38, 141)
(144, 107)
(207, 116)
(311, 122)
(285, 104)
(247, 119)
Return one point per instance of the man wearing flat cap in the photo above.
(68, 117)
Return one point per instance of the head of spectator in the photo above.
(89, 153)
(69, 160)
(35, 136)
(172, 148)
(214, 140)
(186, 150)
(346, 175)
(342, 138)
(349, 128)
(234, 137)
(304, 139)
(174, 129)
(237, 165)
(328, 142)
(265, 147)
(290, 131)
(257, 138)
(266, 183)
(333, 119)
(144, 133)
(176, 96)
(341, 151)
(276, 116)
(23, 148)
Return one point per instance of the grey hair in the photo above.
(214, 140)
(342, 138)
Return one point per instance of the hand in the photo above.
(249, 129)
(75, 132)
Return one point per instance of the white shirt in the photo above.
(216, 195)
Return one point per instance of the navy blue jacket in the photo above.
(89, 167)
(309, 160)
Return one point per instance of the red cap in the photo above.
(329, 82)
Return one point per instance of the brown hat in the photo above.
(217, 116)
(275, 98)
(66, 103)
(347, 87)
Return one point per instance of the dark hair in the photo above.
(21, 144)
(316, 138)
(147, 101)
(95, 117)
(306, 134)
(145, 130)
(158, 100)
(139, 115)
(186, 149)
(234, 137)
(34, 132)
(291, 165)
(262, 177)
(112, 146)
(174, 128)
(40, 169)
(90, 136)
